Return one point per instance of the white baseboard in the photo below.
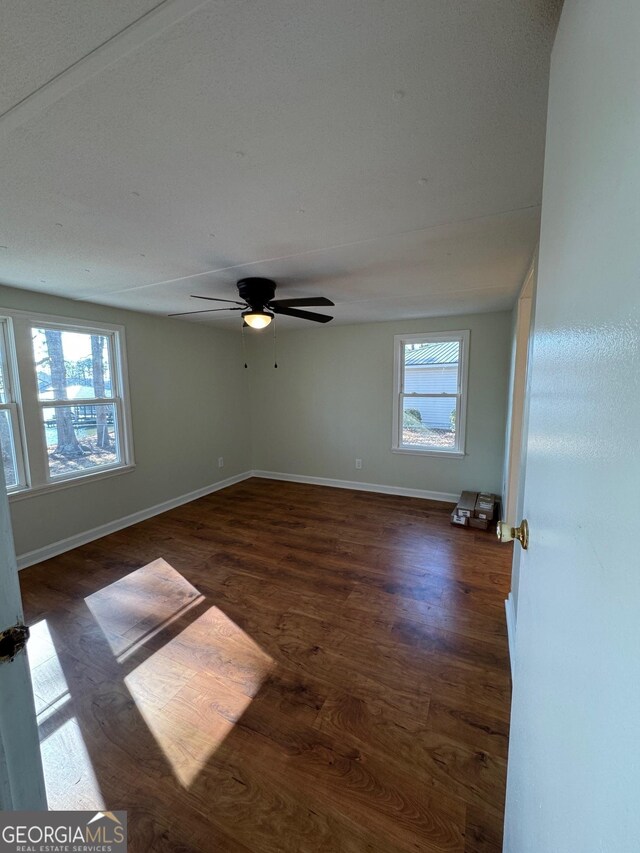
(511, 628)
(447, 497)
(55, 548)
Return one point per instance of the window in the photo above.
(74, 412)
(430, 391)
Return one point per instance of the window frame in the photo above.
(463, 337)
(13, 406)
(37, 477)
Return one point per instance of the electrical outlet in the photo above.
(358, 464)
(220, 461)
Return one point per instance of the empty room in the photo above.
(319, 350)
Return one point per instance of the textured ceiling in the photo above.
(384, 153)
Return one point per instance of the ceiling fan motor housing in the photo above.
(256, 292)
(257, 301)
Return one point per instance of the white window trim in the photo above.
(14, 403)
(461, 335)
(91, 476)
(37, 479)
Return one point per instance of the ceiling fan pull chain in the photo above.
(244, 346)
(275, 354)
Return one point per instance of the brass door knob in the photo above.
(506, 533)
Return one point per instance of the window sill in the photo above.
(45, 488)
(442, 454)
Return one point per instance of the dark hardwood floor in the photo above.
(279, 667)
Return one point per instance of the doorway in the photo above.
(516, 438)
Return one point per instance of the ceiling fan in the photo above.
(259, 306)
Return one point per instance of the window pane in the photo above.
(71, 365)
(429, 422)
(431, 368)
(7, 448)
(81, 438)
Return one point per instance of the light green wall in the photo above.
(330, 401)
(189, 406)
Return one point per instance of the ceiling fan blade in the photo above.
(302, 315)
(215, 299)
(307, 300)
(204, 311)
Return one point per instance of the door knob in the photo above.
(506, 533)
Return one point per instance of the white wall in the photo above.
(331, 400)
(188, 405)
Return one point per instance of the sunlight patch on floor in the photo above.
(191, 713)
(70, 779)
(139, 605)
(191, 671)
(135, 639)
(47, 678)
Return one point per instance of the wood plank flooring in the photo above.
(279, 667)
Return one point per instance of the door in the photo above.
(574, 760)
(21, 779)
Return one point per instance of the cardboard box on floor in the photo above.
(466, 505)
(461, 520)
(485, 506)
(475, 509)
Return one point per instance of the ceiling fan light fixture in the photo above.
(257, 319)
